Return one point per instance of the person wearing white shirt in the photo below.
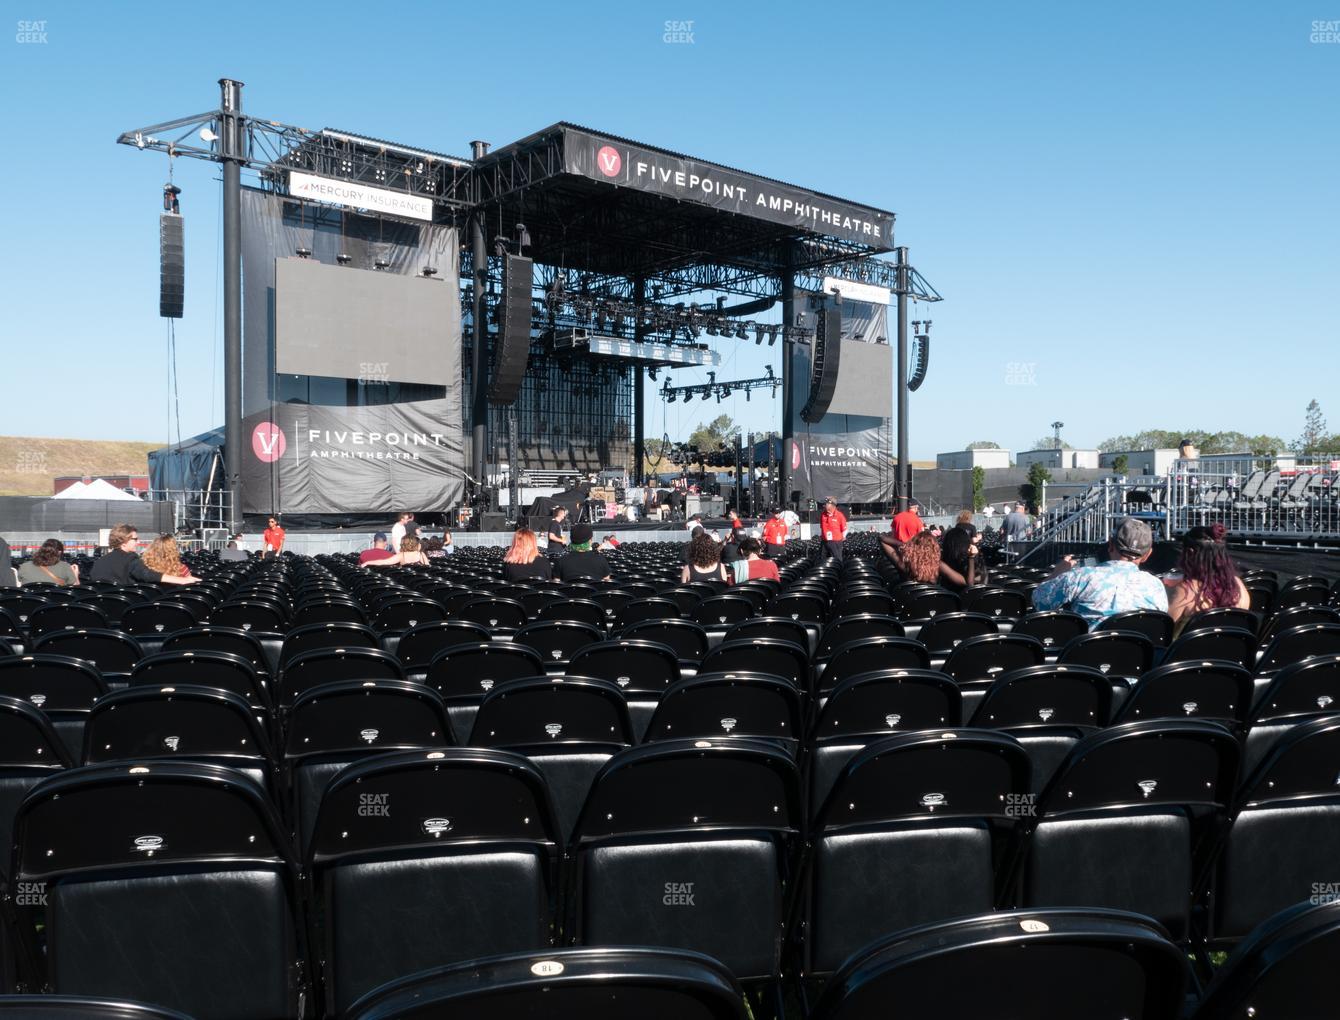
(398, 531)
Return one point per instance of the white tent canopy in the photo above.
(98, 488)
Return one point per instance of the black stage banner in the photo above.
(616, 161)
(851, 466)
(307, 458)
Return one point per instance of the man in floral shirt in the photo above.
(1117, 586)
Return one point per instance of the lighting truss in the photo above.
(720, 390)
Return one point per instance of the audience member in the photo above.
(1117, 586)
(704, 559)
(1015, 526)
(581, 560)
(399, 530)
(918, 558)
(434, 549)
(48, 567)
(907, 524)
(379, 551)
(964, 517)
(1208, 579)
(752, 566)
(9, 578)
(121, 564)
(238, 541)
(523, 562)
(959, 558)
(233, 553)
(164, 557)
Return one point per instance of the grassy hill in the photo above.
(29, 464)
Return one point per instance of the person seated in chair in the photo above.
(581, 560)
(1117, 586)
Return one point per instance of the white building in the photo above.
(1059, 459)
(966, 460)
(1143, 462)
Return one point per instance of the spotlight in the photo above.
(740, 332)
(429, 271)
(381, 264)
(669, 398)
(772, 334)
(304, 253)
(759, 330)
(651, 373)
(344, 258)
(712, 328)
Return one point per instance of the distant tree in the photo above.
(1031, 491)
(983, 444)
(1050, 443)
(979, 487)
(1120, 463)
(719, 432)
(1314, 430)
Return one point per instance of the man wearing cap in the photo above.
(581, 560)
(1117, 586)
(833, 528)
(775, 533)
(377, 552)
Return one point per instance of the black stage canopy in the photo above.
(604, 205)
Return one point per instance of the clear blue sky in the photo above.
(1137, 200)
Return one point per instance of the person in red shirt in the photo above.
(377, 552)
(907, 525)
(273, 539)
(833, 529)
(775, 533)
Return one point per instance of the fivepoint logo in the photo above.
(268, 442)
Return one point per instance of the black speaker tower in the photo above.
(827, 355)
(511, 348)
(171, 266)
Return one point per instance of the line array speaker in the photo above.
(171, 266)
(511, 347)
(921, 359)
(827, 356)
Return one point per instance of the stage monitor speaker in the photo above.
(511, 347)
(171, 266)
(492, 522)
(827, 356)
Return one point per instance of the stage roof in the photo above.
(600, 203)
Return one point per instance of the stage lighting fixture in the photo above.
(669, 398)
(651, 373)
(712, 328)
(740, 332)
(382, 264)
(522, 237)
(758, 334)
(772, 334)
(344, 258)
(304, 253)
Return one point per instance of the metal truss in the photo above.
(720, 390)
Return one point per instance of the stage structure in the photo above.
(352, 249)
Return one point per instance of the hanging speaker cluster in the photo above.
(824, 368)
(171, 265)
(511, 347)
(921, 358)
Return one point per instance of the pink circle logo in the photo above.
(795, 456)
(609, 161)
(268, 442)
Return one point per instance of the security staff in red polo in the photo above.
(775, 533)
(833, 529)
